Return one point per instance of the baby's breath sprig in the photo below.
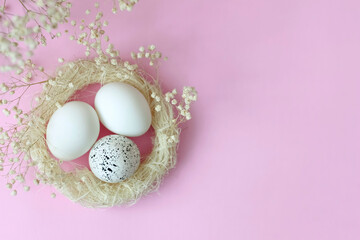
(124, 5)
(92, 37)
(21, 34)
(97, 44)
(188, 96)
(150, 53)
(14, 147)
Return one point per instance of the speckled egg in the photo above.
(114, 158)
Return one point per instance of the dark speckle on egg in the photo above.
(114, 158)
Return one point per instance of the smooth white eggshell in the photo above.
(114, 158)
(123, 109)
(72, 130)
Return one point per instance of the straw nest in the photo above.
(81, 185)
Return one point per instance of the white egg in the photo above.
(72, 130)
(123, 109)
(114, 158)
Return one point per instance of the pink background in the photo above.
(272, 151)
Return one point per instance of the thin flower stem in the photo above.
(24, 5)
